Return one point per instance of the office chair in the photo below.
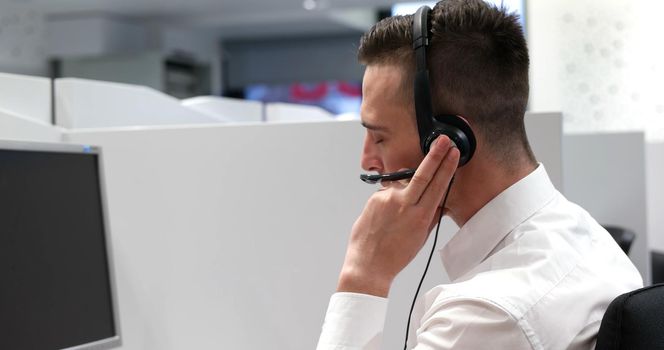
(623, 237)
(657, 267)
(634, 320)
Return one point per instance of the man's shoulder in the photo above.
(558, 267)
(567, 258)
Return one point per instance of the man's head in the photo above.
(478, 62)
(478, 66)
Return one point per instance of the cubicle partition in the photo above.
(82, 103)
(545, 134)
(90, 104)
(289, 112)
(224, 231)
(25, 109)
(655, 194)
(20, 128)
(26, 96)
(605, 174)
(226, 109)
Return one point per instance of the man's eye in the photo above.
(378, 141)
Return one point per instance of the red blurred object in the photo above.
(350, 89)
(302, 92)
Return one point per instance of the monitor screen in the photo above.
(56, 288)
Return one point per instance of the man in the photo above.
(529, 269)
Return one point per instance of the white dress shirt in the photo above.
(530, 270)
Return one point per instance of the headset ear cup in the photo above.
(458, 130)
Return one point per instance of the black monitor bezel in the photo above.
(116, 340)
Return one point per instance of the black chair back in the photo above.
(634, 320)
(623, 237)
(657, 266)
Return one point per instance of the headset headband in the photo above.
(429, 126)
(421, 36)
(423, 109)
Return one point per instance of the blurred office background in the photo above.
(598, 61)
(184, 96)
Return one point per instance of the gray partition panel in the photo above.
(233, 236)
(605, 174)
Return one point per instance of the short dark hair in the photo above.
(478, 63)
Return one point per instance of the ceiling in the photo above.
(231, 18)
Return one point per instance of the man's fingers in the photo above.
(427, 169)
(435, 192)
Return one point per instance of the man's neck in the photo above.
(477, 185)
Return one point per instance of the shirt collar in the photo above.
(486, 229)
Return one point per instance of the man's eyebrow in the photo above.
(374, 127)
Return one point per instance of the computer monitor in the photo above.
(56, 272)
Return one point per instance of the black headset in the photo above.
(428, 125)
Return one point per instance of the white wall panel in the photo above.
(22, 38)
(595, 61)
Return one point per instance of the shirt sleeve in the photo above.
(353, 321)
(470, 324)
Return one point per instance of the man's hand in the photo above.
(395, 224)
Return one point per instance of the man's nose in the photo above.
(370, 158)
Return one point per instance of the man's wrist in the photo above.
(372, 284)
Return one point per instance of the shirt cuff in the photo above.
(353, 321)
